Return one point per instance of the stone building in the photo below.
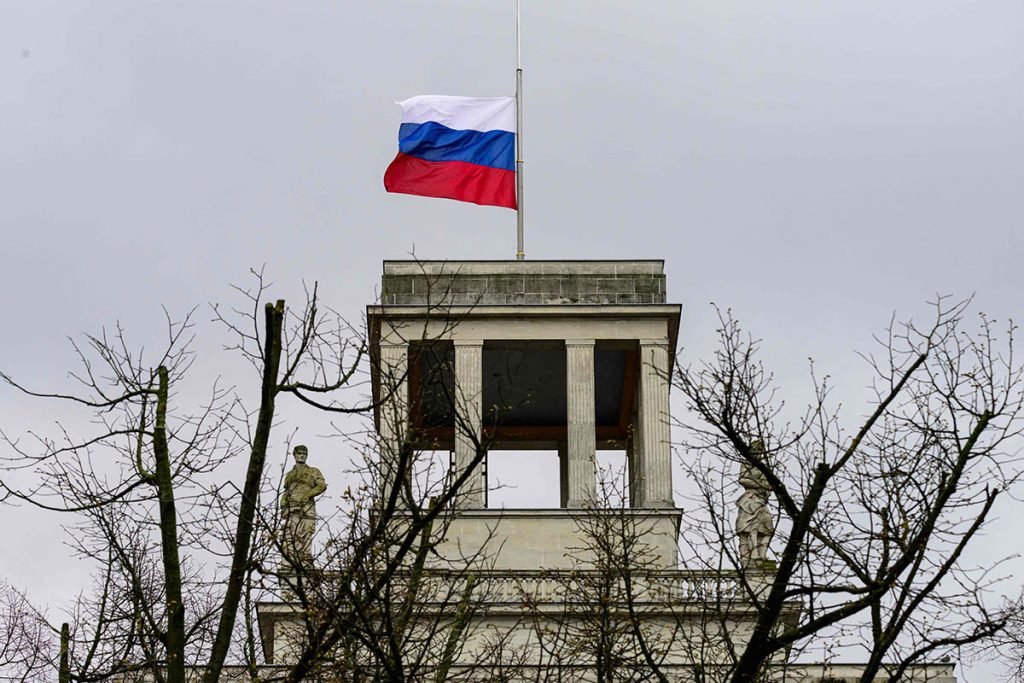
(570, 357)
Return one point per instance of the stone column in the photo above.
(393, 409)
(581, 443)
(468, 407)
(654, 456)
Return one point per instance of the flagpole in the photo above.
(520, 253)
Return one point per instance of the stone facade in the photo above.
(475, 283)
(581, 309)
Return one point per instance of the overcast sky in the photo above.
(815, 166)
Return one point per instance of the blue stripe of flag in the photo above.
(432, 141)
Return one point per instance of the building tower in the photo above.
(566, 356)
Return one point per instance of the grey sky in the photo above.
(812, 165)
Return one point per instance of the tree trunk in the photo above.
(64, 672)
(169, 538)
(274, 321)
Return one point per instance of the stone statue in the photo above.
(302, 485)
(754, 523)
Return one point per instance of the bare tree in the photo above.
(146, 484)
(383, 601)
(623, 610)
(1007, 646)
(184, 555)
(873, 521)
(27, 647)
(1013, 644)
(604, 619)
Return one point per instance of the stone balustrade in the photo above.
(542, 588)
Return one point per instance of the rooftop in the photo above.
(482, 283)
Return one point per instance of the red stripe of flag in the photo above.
(451, 180)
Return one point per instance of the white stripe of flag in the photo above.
(462, 113)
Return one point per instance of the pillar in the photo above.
(581, 442)
(393, 410)
(468, 420)
(652, 452)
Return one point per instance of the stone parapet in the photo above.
(677, 588)
(471, 283)
(552, 539)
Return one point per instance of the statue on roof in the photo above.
(754, 523)
(302, 485)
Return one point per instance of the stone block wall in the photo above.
(489, 283)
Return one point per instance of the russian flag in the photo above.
(460, 148)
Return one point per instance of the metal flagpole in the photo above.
(520, 253)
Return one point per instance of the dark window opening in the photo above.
(433, 384)
(524, 384)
